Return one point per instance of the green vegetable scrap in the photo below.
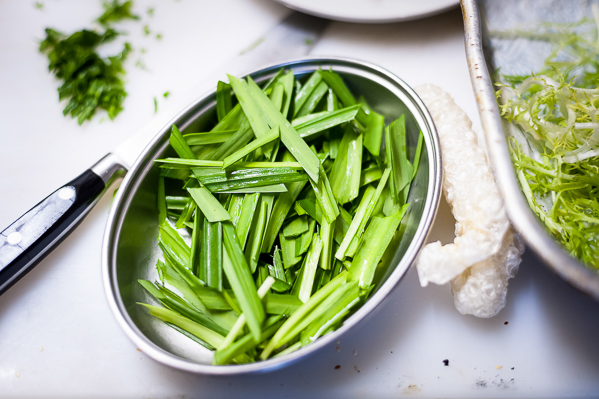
(554, 121)
(285, 241)
(89, 82)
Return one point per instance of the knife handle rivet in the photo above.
(66, 193)
(14, 238)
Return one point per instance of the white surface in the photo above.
(57, 335)
(370, 11)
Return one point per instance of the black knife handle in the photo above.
(28, 240)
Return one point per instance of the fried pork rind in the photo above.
(485, 252)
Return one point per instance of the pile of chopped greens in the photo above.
(273, 224)
(556, 110)
(89, 82)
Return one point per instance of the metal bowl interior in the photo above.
(130, 246)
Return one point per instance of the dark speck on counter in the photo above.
(446, 362)
(337, 367)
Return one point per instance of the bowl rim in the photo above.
(129, 185)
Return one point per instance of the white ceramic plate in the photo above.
(370, 11)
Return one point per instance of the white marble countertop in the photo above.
(58, 337)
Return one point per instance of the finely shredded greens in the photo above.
(555, 125)
(284, 239)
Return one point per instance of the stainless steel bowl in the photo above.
(130, 248)
(523, 219)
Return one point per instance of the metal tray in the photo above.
(481, 63)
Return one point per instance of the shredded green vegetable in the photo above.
(555, 125)
(284, 240)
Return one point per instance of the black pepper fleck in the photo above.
(337, 367)
(446, 362)
(505, 323)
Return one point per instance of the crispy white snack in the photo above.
(485, 252)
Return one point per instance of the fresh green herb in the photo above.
(158, 36)
(39, 5)
(146, 30)
(273, 262)
(116, 12)
(150, 11)
(155, 105)
(89, 82)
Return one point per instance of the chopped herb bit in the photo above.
(166, 94)
(39, 5)
(146, 30)
(155, 105)
(150, 11)
(158, 36)
(90, 82)
(116, 12)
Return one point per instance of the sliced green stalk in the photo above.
(280, 337)
(223, 100)
(172, 301)
(302, 243)
(346, 172)
(294, 143)
(361, 218)
(190, 162)
(217, 180)
(313, 99)
(312, 124)
(252, 251)
(268, 189)
(250, 108)
(205, 334)
(238, 274)
(185, 214)
(296, 227)
(244, 344)
(180, 145)
(372, 204)
(196, 243)
(235, 208)
(332, 101)
(211, 208)
(342, 92)
(397, 156)
(243, 136)
(327, 231)
(374, 133)
(304, 93)
(309, 269)
(250, 203)
(325, 197)
(175, 244)
(272, 134)
(342, 225)
(211, 255)
(377, 237)
(280, 209)
(205, 138)
(168, 273)
(161, 200)
(288, 251)
(370, 174)
(234, 332)
(418, 154)
(281, 304)
(346, 298)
